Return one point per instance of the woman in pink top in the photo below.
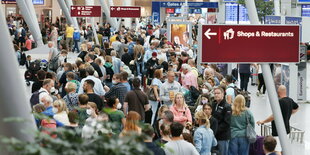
(180, 110)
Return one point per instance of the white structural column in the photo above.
(74, 20)
(272, 94)
(33, 15)
(90, 3)
(114, 20)
(276, 7)
(128, 21)
(65, 10)
(106, 10)
(16, 105)
(221, 14)
(35, 30)
(286, 8)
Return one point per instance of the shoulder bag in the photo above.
(250, 132)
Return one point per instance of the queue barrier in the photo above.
(295, 134)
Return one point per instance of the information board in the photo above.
(249, 43)
(35, 2)
(231, 13)
(305, 10)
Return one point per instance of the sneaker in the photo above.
(258, 93)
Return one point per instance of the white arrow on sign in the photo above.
(112, 8)
(73, 8)
(208, 33)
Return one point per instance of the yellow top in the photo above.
(69, 32)
(112, 39)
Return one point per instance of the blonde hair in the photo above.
(239, 105)
(175, 97)
(61, 104)
(200, 115)
(83, 47)
(71, 86)
(97, 50)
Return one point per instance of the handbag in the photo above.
(150, 94)
(250, 132)
(148, 114)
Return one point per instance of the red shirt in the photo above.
(28, 44)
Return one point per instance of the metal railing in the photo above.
(295, 134)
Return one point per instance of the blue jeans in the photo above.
(223, 146)
(239, 145)
(140, 68)
(76, 46)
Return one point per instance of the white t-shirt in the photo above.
(62, 117)
(180, 147)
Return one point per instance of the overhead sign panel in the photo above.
(86, 11)
(249, 43)
(125, 11)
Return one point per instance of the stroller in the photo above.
(34, 67)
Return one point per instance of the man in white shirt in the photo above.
(178, 146)
(169, 89)
(98, 88)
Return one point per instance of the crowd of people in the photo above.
(136, 77)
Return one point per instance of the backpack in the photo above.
(76, 36)
(194, 93)
(23, 59)
(34, 99)
(53, 64)
(109, 73)
(245, 94)
(35, 65)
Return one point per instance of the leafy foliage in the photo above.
(70, 142)
(263, 7)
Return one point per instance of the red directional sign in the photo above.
(249, 43)
(125, 11)
(86, 11)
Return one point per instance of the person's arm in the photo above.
(49, 56)
(147, 105)
(181, 118)
(294, 111)
(214, 125)
(229, 99)
(295, 107)
(197, 140)
(155, 87)
(188, 115)
(125, 108)
(101, 90)
(269, 119)
(109, 93)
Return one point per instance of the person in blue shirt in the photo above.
(47, 101)
(131, 44)
(204, 138)
(148, 53)
(124, 80)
